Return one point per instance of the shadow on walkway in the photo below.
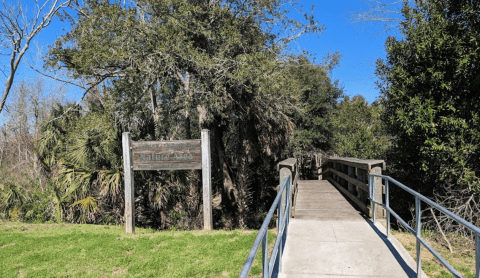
(405, 266)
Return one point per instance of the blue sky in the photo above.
(360, 45)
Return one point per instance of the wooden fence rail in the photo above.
(350, 176)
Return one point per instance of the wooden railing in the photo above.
(350, 176)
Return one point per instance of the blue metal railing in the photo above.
(262, 236)
(416, 233)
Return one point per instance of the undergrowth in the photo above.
(462, 257)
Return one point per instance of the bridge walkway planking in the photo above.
(330, 237)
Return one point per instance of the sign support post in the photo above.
(129, 189)
(206, 181)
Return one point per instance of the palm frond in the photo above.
(12, 195)
(89, 204)
(75, 181)
(111, 182)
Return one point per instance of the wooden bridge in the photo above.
(327, 227)
(330, 235)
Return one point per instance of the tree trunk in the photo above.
(188, 132)
(228, 189)
(222, 179)
(155, 112)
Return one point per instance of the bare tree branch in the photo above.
(59, 79)
(17, 29)
(386, 11)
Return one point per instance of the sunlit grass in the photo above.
(60, 250)
(462, 258)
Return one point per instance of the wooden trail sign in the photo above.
(167, 155)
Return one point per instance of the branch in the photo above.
(86, 88)
(388, 12)
(17, 31)
(78, 102)
(441, 231)
(56, 78)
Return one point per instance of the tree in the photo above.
(18, 27)
(215, 59)
(317, 99)
(357, 129)
(20, 167)
(430, 87)
(83, 155)
(173, 68)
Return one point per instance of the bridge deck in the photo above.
(320, 200)
(330, 238)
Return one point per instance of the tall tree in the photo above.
(21, 172)
(430, 88)
(317, 98)
(180, 66)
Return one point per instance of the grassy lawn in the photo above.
(61, 250)
(462, 258)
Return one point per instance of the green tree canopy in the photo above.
(430, 88)
(357, 129)
(317, 98)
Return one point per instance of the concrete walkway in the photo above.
(330, 238)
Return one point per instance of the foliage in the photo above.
(88, 206)
(24, 202)
(23, 183)
(82, 152)
(13, 197)
(52, 250)
(358, 130)
(317, 99)
(83, 155)
(429, 87)
(169, 69)
(165, 70)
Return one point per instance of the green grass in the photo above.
(462, 258)
(70, 250)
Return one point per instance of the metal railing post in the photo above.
(477, 254)
(418, 235)
(372, 183)
(265, 255)
(387, 204)
(289, 208)
(279, 227)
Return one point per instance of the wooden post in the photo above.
(378, 194)
(284, 172)
(207, 181)
(288, 167)
(129, 189)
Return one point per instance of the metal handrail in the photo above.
(417, 232)
(262, 236)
